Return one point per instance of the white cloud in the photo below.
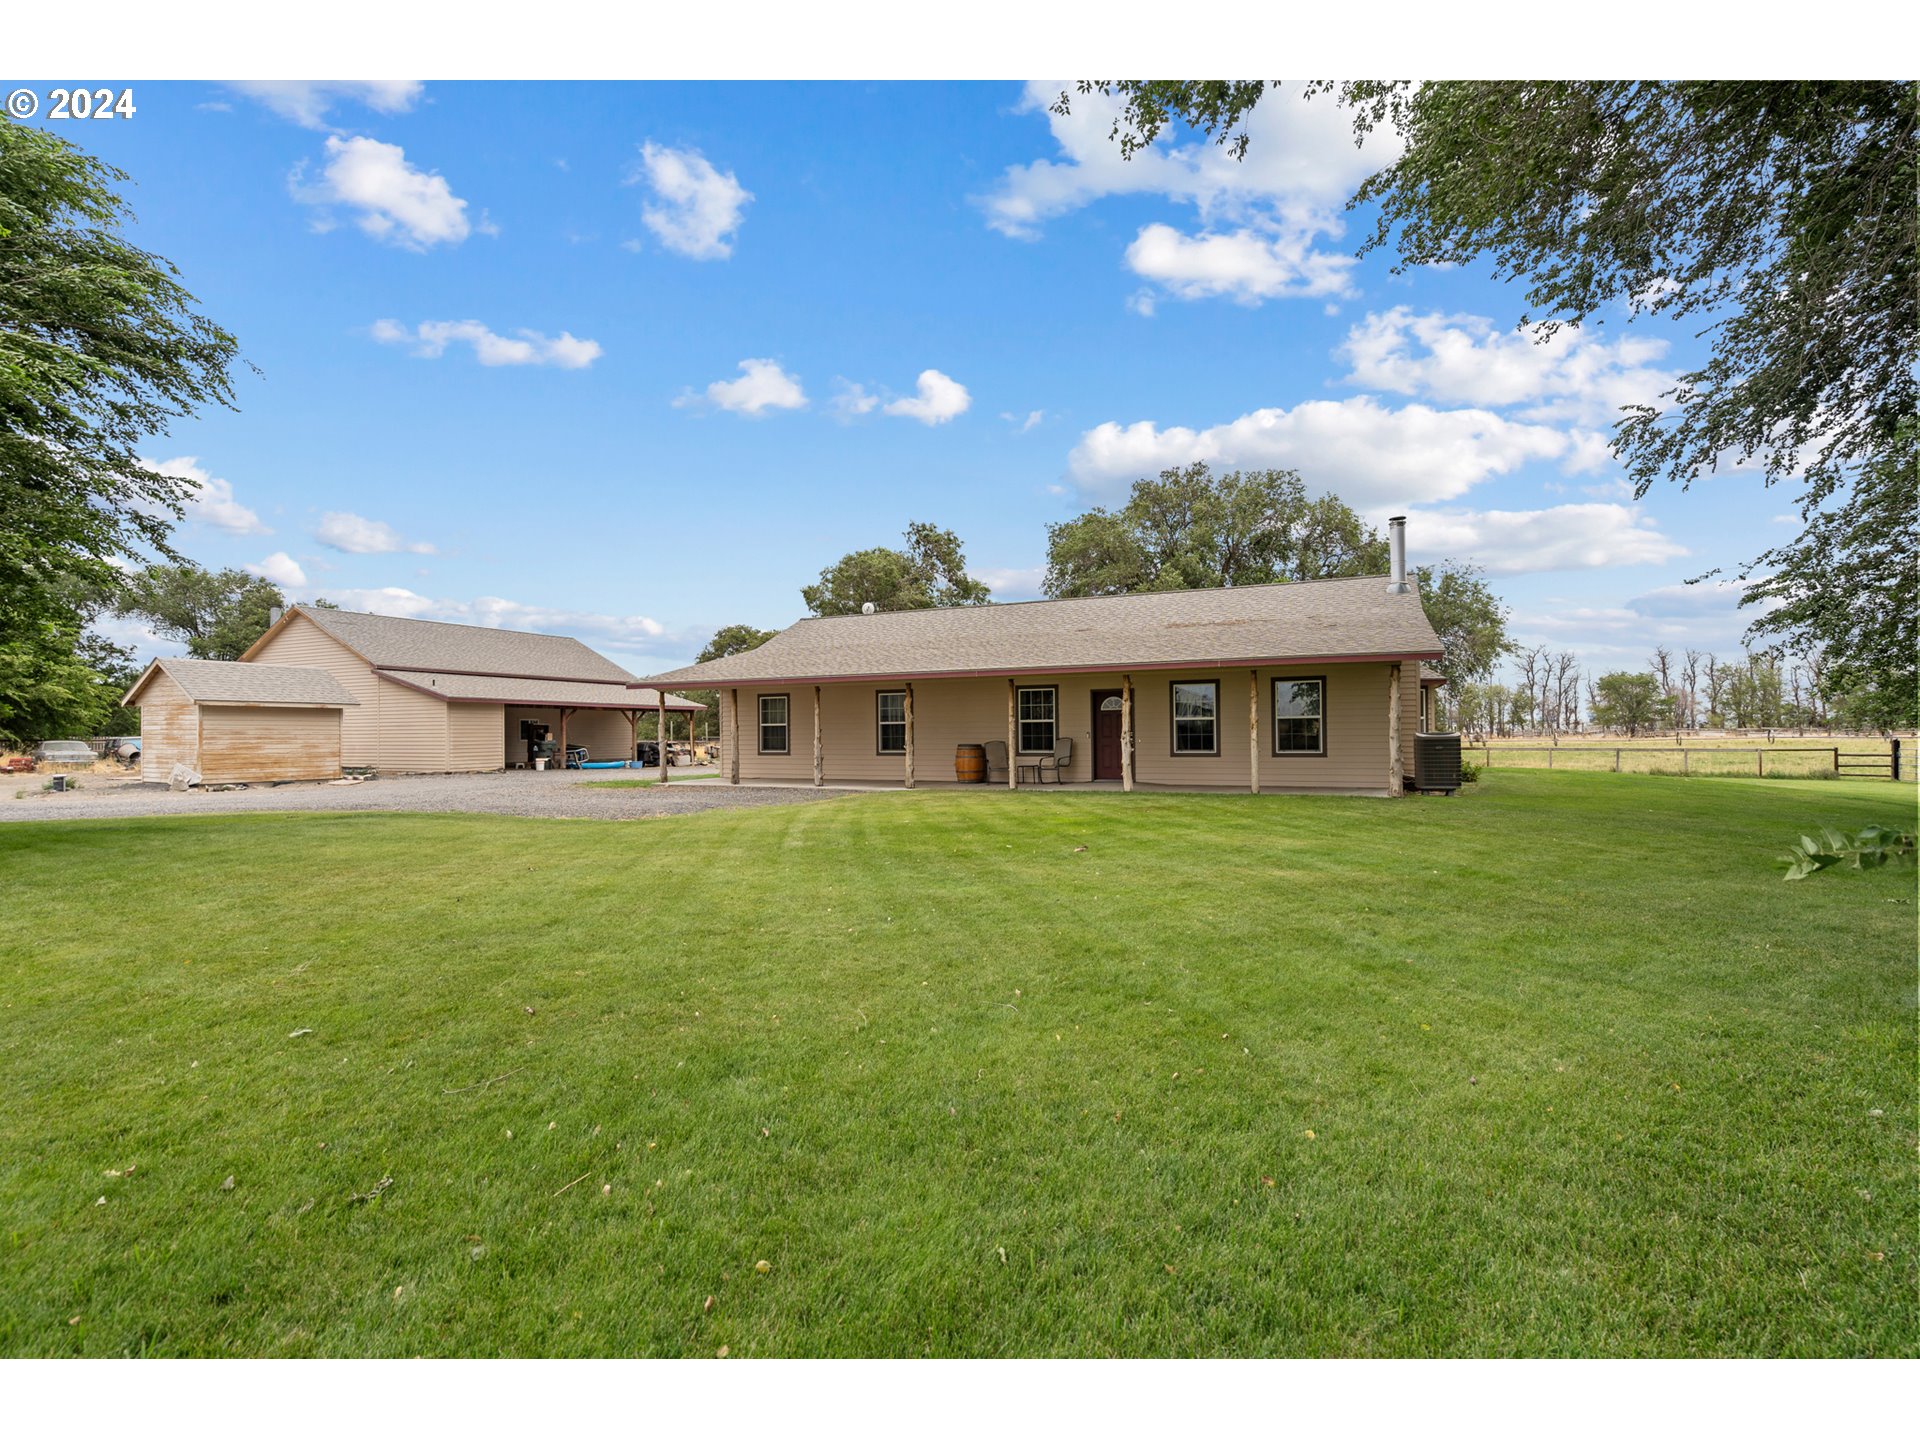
(1012, 584)
(698, 208)
(279, 567)
(431, 338)
(1244, 265)
(397, 203)
(1023, 425)
(212, 503)
(938, 398)
(1356, 448)
(306, 102)
(851, 398)
(357, 535)
(1261, 216)
(1576, 375)
(762, 386)
(1524, 542)
(1301, 157)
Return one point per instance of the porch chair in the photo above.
(996, 760)
(1055, 764)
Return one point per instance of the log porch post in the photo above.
(1396, 771)
(909, 706)
(633, 737)
(663, 736)
(733, 745)
(564, 713)
(1126, 732)
(1013, 739)
(817, 774)
(1253, 731)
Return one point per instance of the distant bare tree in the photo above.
(1661, 668)
(1718, 677)
(1689, 714)
(1533, 678)
(1566, 691)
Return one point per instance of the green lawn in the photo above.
(1559, 1066)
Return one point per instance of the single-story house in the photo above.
(1311, 686)
(228, 722)
(435, 696)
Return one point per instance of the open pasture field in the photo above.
(1559, 1066)
(1743, 756)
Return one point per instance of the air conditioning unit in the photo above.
(1436, 762)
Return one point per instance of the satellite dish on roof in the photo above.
(867, 608)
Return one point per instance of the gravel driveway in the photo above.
(556, 795)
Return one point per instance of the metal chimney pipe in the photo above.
(274, 612)
(1397, 549)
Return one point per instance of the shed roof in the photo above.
(232, 682)
(515, 690)
(1316, 620)
(392, 642)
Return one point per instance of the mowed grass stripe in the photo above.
(1583, 1076)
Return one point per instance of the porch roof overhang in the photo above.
(534, 691)
(1000, 672)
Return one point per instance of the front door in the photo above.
(1106, 734)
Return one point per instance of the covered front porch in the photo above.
(1336, 728)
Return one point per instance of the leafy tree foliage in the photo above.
(100, 349)
(1838, 598)
(1629, 702)
(216, 614)
(930, 572)
(1193, 530)
(734, 640)
(1469, 618)
(1779, 216)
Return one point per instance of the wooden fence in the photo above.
(1860, 765)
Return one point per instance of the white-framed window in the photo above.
(1037, 708)
(1299, 715)
(1196, 717)
(775, 735)
(890, 716)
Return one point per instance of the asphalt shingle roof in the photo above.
(232, 682)
(391, 642)
(510, 690)
(1266, 624)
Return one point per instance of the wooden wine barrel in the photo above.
(970, 764)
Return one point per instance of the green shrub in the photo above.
(1867, 849)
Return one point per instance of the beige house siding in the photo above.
(169, 729)
(268, 742)
(412, 734)
(476, 737)
(949, 713)
(301, 642)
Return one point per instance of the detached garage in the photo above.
(229, 721)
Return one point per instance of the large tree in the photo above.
(734, 640)
(1469, 618)
(1191, 529)
(1778, 217)
(1630, 702)
(930, 572)
(216, 614)
(100, 349)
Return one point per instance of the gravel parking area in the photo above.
(558, 795)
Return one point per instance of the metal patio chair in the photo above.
(1055, 764)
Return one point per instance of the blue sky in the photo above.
(636, 361)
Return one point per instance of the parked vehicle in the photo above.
(64, 752)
